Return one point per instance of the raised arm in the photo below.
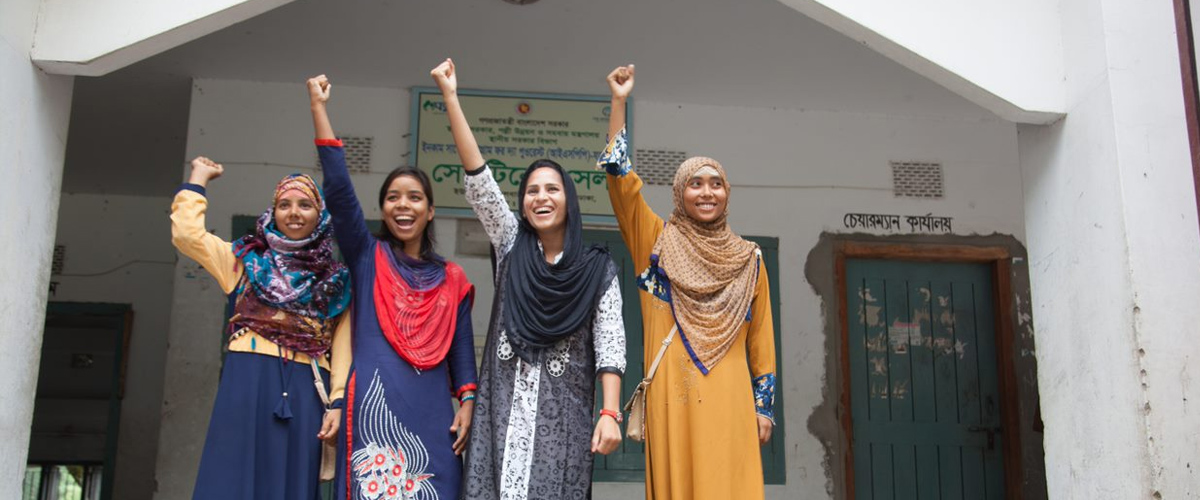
(639, 225)
(349, 223)
(620, 84)
(188, 231)
(482, 192)
(468, 150)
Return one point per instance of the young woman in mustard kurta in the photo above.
(709, 407)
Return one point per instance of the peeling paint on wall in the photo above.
(825, 421)
(877, 343)
(879, 366)
(900, 390)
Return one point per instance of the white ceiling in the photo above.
(129, 128)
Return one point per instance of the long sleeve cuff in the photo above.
(610, 369)
(465, 388)
(476, 171)
(764, 395)
(615, 158)
(195, 188)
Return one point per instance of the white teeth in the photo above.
(543, 210)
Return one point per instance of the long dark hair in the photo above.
(427, 240)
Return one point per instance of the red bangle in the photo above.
(616, 415)
(466, 387)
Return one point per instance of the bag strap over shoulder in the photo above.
(665, 343)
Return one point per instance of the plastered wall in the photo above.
(795, 173)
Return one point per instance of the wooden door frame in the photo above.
(1000, 260)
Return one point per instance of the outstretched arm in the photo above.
(482, 192)
(464, 139)
(188, 231)
(620, 83)
(638, 223)
(319, 90)
(350, 226)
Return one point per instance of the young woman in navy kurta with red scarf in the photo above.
(413, 344)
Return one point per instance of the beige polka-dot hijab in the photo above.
(712, 273)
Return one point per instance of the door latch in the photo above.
(991, 434)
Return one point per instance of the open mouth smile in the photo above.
(404, 221)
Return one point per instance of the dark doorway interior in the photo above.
(72, 449)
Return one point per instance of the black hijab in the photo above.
(545, 303)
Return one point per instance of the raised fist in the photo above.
(318, 89)
(204, 170)
(620, 81)
(444, 75)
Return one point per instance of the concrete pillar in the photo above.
(33, 135)
(1114, 259)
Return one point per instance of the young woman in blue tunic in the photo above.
(289, 295)
(413, 345)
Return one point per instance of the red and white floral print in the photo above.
(392, 463)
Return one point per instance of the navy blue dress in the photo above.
(250, 453)
(260, 445)
(396, 440)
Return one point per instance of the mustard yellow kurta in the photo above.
(701, 430)
(189, 236)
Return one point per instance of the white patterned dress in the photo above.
(532, 428)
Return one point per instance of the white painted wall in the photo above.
(101, 234)
(80, 37)
(33, 128)
(1113, 240)
(1004, 56)
(821, 158)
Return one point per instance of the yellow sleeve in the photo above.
(342, 357)
(640, 226)
(760, 339)
(189, 235)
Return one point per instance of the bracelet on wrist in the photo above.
(616, 415)
(465, 398)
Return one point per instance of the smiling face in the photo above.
(545, 201)
(296, 215)
(704, 196)
(406, 212)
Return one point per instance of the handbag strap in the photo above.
(666, 342)
(318, 382)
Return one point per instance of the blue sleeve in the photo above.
(349, 224)
(462, 350)
(764, 396)
(615, 157)
(195, 188)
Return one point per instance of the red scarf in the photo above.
(420, 325)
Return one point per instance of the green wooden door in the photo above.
(923, 381)
(628, 463)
